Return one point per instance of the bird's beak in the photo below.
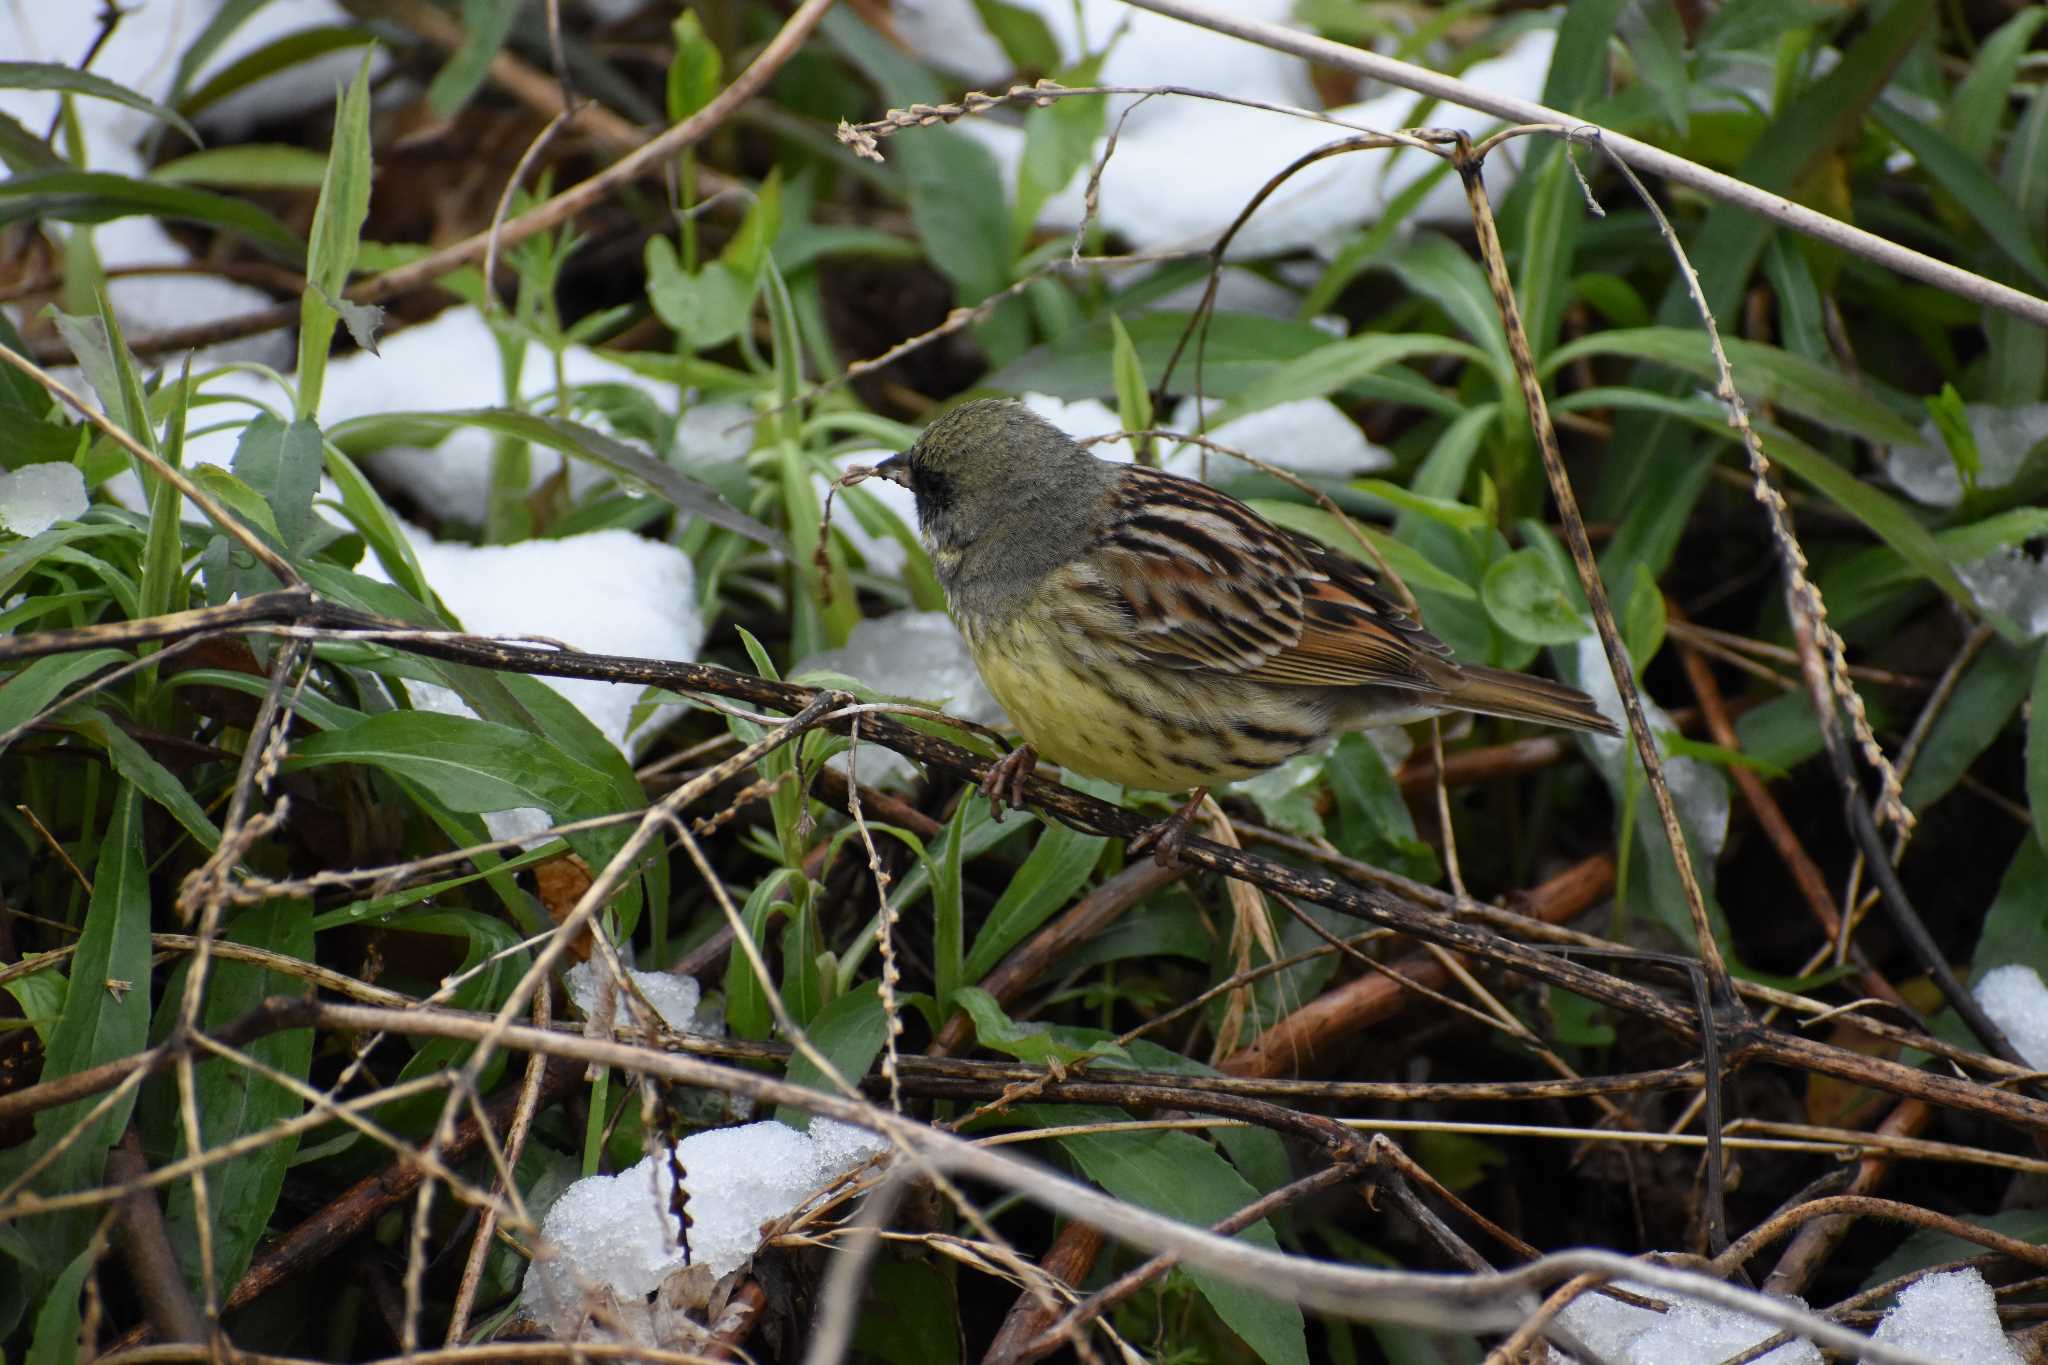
(896, 469)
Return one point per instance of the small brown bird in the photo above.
(1152, 631)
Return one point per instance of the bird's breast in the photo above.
(1098, 709)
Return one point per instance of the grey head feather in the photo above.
(1004, 497)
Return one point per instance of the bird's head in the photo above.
(992, 473)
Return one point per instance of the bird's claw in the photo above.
(1004, 785)
(1166, 839)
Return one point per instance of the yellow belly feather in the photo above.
(1073, 720)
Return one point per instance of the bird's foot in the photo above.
(1165, 839)
(1004, 785)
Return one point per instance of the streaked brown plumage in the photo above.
(1151, 630)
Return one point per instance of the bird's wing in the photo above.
(1353, 634)
(1200, 581)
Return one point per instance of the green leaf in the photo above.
(1781, 732)
(707, 307)
(106, 1018)
(1133, 400)
(1373, 822)
(234, 1103)
(1678, 746)
(1180, 1175)
(625, 461)
(470, 766)
(1239, 349)
(1442, 271)
(949, 911)
(1334, 365)
(695, 70)
(1751, 23)
(29, 692)
(71, 81)
(1456, 1159)
(1525, 596)
(150, 777)
(1550, 230)
(747, 252)
(1928, 1247)
(283, 463)
(1059, 140)
(1885, 516)
(1026, 40)
(1656, 40)
(1287, 796)
(485, 26)
(827, 610)
(1801, 319)
(959, 208)
(2018, 348)
(2016, 926)
(849, 1032)
(18, 559)
(1643, 623)
(1977, 713)
(94, 346)
(1970, 185)
(101, 196)
(1890, 520)
(2037, 749)
(238, 498)
(252, 166)
(57, 1336)
(747, 1012)
(1952, 420)
(22, 151)
(278, 55)
(1978, 104)
(41, 997)
(492, 961)
(1446, 511)
(336, 234)
(911, 1316)
(1763, 375)
(1652, 498)
(221, 25)
(1058, 865)
(1038, 1044)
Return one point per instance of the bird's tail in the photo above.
(1497, 692)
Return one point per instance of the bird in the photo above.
(1150, 630)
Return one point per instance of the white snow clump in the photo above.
(1691, 1333)
(675, 998)
(615, 1233)
(2018, 1003)
(38, 496)
(1951, 1317)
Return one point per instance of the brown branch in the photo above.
(273, 1015)
(1349, 1009)
(1085, 813)
(1813, 887)
(147, 1245)
(1815, 1241)
(1863, 1206)
(1576, 541)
